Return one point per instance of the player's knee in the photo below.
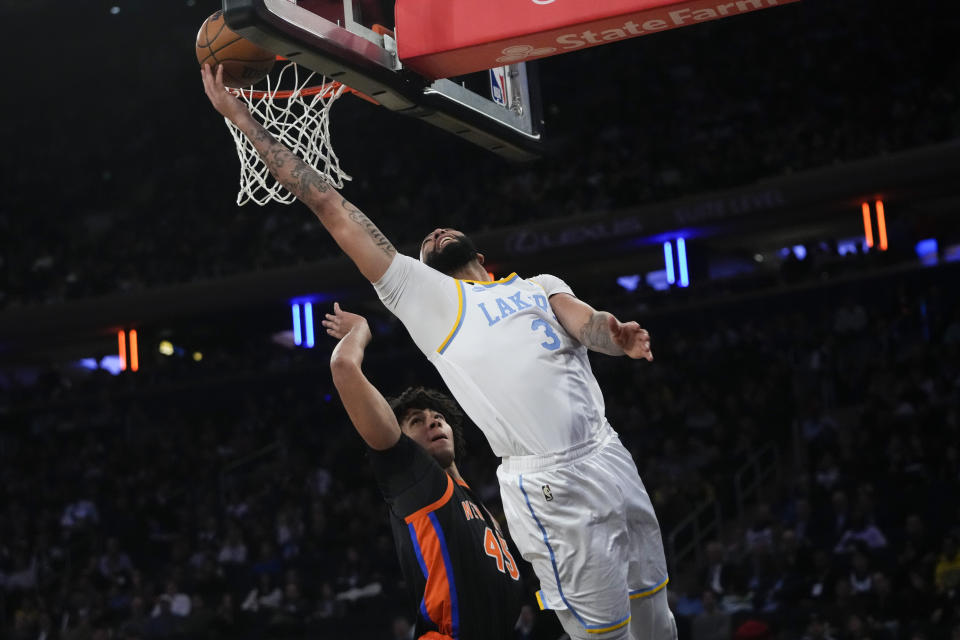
(664, 628)
(651, 618)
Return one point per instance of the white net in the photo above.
(299, 118)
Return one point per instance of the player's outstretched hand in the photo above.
(340, 323)
(225, 102)
(632, 338)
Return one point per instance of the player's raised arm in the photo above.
(368, 409)
(600, 330)
(353, 231)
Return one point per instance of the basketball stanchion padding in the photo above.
(299, 118)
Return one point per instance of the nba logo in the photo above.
(547, 493)
(498, 85)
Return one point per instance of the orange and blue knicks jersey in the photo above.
(463, 578)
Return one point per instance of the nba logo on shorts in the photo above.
(547, 493)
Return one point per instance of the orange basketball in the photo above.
(244, 63)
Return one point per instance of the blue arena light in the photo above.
(630, 283)
(928, 251)
(668, 261)
(682, 259)
(112, 364)
(297, 335)
(657, 280)
(849, 246)
(308, 321)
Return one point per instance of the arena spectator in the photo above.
(860, 532)
(947, 576)
(720, 576)
(174, 600)
(711, 623)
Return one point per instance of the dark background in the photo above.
(830, 379)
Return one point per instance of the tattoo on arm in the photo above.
(595, 335)
(305, 182)
(293, 173)
(359, 218)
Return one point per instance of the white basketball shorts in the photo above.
(584, 520)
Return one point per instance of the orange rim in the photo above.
(327, 90)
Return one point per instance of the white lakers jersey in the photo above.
(522, 379)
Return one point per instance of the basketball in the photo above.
(244, 63)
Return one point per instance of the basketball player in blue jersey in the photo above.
(454, 558)
(513, 353)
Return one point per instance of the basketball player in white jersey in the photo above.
(513, 352)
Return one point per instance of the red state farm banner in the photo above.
(443, 38)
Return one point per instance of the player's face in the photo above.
(429, 429)
(435, 240)
(446, 250)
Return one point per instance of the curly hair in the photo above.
(423, 398)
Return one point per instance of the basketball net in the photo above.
(298, 118)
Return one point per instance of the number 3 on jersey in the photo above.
(496, 548)
(554, 342)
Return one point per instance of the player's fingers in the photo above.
(210, 84)
(630, 333)
(216, 80)
(336, 307)
(207, 78)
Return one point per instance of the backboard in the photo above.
(498, 109)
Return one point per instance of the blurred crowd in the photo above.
(859, 538)
(230, 497)
(133, 188)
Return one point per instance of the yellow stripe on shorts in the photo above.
(616, 626)
(649, 592)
